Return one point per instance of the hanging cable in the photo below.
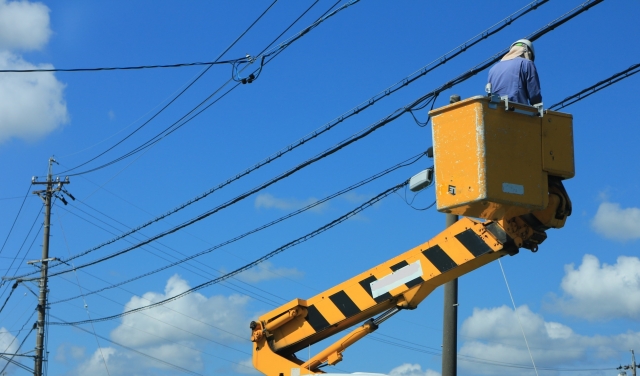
(252, 264)
(138, 67)
(16, 219)
(13, 288)
(86, 307)
(174, 366)
(390, 90)
(391, 117)
(181, 92)
(19, 347)
(157, 137)
(4, 279)
(399, 85)
(597, 87)
(267, 225)
(175, 326)
(227, 284)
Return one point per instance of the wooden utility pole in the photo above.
(52, 187)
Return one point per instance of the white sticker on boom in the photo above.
(396, 279)
(516, 189)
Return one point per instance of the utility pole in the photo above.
(52, 187)
(450, 319)
(633, 366)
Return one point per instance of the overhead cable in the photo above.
(252, 264)
(181, 92)
(16, 219)
(381, 95)
(348, 141)
(171, 128)
(19, 347)
(402, 343)
(13, 288)
(364, 105)
(404, 163)
(596, 87)
(137, 67)
(149, 316)
(153, 253)
(174, 366)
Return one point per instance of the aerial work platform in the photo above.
(497, 161)
(493, 158)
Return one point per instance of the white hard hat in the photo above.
(527, 43)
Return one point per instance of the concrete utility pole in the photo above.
(450, 319)
(52, 187)
(633, 366)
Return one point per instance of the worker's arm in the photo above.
(530, 73)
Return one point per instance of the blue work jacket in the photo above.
(517, 78)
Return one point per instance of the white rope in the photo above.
(518, 317)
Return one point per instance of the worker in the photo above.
(516, 75)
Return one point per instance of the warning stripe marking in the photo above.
(471, 241)
(315, 318)
(345, 304)
(439, 258)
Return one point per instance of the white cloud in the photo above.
(268, 201)
(8, 344)
(246, 367)
(31, 104)
(616, 223)
(179, 319)
(266, 271)
(356, 198)
(408, 369)
(498, 339)
(166, 334)
(23, 25)
(594, 291)
(66, 352)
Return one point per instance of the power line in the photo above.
(24, 241)
(169, 129)
(13, 288)
(181, 92)
(596, 87)
(86, 307)
(137, 67)
(255, 230)
(402, 343)
(250, 265)
(16, 219)
(22, 343)
(353, 138)
(26, 252)
(174, 366)
(260, 298)
(399, 85)
(381, 95)
(177, 327)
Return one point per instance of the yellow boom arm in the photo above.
(406, 280)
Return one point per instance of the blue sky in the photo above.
(578, 298)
